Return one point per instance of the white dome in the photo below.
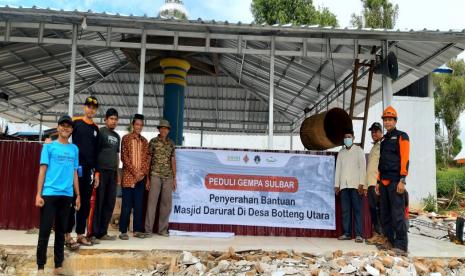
(172, 9)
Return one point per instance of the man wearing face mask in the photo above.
(350, 182)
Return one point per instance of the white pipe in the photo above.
(271, 100)
(387, 82)
(72, 74)
(201, 134)
(292, 141)
(430, 86)
(387, 92)
(140, 103)
(40, 128)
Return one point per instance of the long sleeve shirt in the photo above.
(136, 159)
(394, 156)
(373, 161)
(350, 168)
(85, 137)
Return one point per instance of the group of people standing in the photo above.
(72, 172)
(382, 181)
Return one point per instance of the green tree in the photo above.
(291, 11)
(456, 146)
(449, 97)
(376, 14)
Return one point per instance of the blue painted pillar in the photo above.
(175, 71)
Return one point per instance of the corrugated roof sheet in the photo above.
(36, 75)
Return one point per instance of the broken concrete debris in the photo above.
(250, 263)
(277, 263)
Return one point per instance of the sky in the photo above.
(413, 14)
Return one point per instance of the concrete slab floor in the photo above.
(418, 245)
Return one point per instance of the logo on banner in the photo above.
(271, 159)
(233, 158)
(257, 159)
(246, 159)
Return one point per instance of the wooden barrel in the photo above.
(325, 130)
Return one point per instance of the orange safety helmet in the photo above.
(390, 112)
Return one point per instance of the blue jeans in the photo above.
(132, 199)
(351, 201)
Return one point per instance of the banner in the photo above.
(254, 188)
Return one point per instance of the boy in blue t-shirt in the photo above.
(59, 161)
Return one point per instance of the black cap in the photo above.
(349, 131)
(375, 126)
(91, 100)
(65, 119)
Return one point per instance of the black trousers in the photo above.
(392, 206)
(55, 210)
(79, 218)
(373, 201)
(106, 198)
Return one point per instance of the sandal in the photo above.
(71, 245)
(58, 271)
(124, 236)
(94, 240)
(139, 235)
(107, 238)
(84, 241)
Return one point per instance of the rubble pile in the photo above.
(8, 263)
(430, 224)
(279, 263)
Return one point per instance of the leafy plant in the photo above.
(430, 203)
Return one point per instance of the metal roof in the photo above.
(313, 66)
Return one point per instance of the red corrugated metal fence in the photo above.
(19, 167)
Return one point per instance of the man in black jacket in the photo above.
(85, 137)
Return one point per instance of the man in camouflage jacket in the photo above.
(162, 179)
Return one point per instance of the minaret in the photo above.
(175, 70)
(173, 9)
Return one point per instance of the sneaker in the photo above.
(94, 240)
(148, 235)
(385, 246)
(344, 238)
(382, 240)
(58, 271)
(164, 234)
(108, 238)
(139, 235)
(358, 239)
(124, 236)
(376, 239)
